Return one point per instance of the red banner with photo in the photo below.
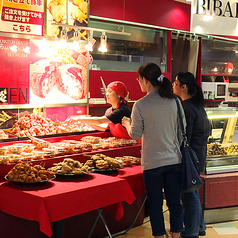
(14, 70)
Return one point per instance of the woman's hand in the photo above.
(126, 122)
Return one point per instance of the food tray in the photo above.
(105, 170)
(29, 183)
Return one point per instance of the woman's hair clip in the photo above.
(160, 78)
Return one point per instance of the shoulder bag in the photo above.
(191, 180)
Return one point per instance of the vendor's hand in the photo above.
(126, 121)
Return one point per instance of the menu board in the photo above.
(22, 16)
(14, 70)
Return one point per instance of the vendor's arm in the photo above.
(93, 120)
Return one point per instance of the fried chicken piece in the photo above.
(102, 164)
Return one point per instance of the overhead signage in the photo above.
(22, 16)
(214, 17)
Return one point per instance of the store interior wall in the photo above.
(164, 13)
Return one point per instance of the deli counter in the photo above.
(222, 148)
(218, 193)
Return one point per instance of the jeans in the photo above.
(169, 179)
(192, 210)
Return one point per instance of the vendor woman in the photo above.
(116, 95)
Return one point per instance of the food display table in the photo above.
(57, 200)
(68, 206)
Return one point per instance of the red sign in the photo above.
(14, 70)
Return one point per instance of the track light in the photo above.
(91, 42)
(63, 40)
(75, 44)
(103, 46)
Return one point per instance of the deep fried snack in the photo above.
(26, 172)
(91, 139)
(102, 164)
(114, 164)
(70, 166)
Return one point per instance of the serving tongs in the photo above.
(104, 88)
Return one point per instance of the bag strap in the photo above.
(185, 141)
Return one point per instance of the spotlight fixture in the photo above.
(75, 44)
(63, 38)
(91, 42)
(103, 46)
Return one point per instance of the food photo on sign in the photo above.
(58, 69)
(71, 12)
(58, 73)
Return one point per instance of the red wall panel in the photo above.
(165, 13)
(129, 78)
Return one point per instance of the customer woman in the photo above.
(155, 119)
(116, 95)
(198, 130)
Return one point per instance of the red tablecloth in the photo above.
(134, 176)
(57, 200)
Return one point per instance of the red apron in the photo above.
(119, 131)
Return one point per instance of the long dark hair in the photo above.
(152, 72)
(193, 89)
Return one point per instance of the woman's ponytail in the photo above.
(166, 89)
(198, 98)
(153, 74)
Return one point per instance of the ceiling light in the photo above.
(75, 44)
(63, 38)
(103, 46)
(91, 42)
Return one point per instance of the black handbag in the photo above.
(191, 180)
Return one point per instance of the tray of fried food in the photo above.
(70, 167)
(129, 160)
(91, 139)
(26, 173)
(39, 143)
(101, 162)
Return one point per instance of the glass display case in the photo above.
(222, 148)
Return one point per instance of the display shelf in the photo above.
(218, 194)
(133, 150)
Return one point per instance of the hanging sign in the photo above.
(22, 16)
(14, 70)
(214, 17)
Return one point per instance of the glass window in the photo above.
(128, 53)
(219, 57)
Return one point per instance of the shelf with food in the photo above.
(49, 151)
